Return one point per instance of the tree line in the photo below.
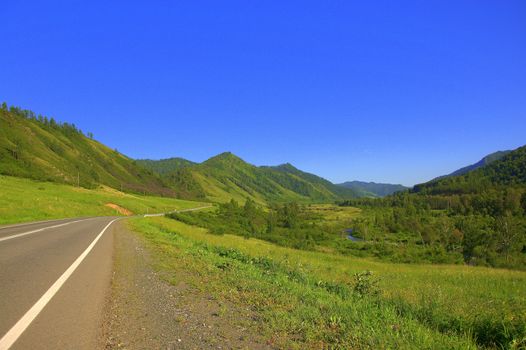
(49, 122)
(487, 228)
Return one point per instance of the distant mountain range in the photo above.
(372, 189)
(40, 148)
(227, 176)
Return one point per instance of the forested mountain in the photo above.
(372, 189)
(314, 179)
(508, 170)
(165, 166)
(490, 158)
(227, 176)
(41, 148)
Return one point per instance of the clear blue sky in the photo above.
(394, 91)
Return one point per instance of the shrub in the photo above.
(364, 283)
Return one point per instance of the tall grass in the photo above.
(310, 298)
(28, 200)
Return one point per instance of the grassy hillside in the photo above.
(47, 200)
(372, 189)
(165, 166)
(226, 176)
(39, 148)
(315, 180)
(316, 300)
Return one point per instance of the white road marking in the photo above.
(29, 223)
(39, 230)
(16, 331)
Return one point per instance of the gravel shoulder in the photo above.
(147, 312)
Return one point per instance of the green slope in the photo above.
(372, 189)
(509, 170)
(165, 166)
(490, 158)
(40, 148)
(47, 200)
(231, 176)
(226, 176)
(319, 184)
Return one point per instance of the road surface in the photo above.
(54, 281)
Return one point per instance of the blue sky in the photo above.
(392, 91)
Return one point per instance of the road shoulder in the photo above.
(147, 312)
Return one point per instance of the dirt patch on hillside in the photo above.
(146, 312)
(120, 209)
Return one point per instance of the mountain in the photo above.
(313, 179)
(490, 158)
(227, 176)
(372, 189)
(165, 166)
(40, 148)
(507, 171)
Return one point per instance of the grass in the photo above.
(312, 299)
(333, 214)
(24, 200)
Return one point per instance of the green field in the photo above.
(308, 299)
(24, 200)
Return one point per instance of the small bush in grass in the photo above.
(364, 283)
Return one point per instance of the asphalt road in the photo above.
(54, 281)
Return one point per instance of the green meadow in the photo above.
(309, 299)
(24, 200)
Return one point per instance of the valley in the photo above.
(274, 240)
(263, 175)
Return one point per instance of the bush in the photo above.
(365, 284)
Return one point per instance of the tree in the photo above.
(509, 234)
(271, 221)
(361, 227)
(523, 203)
(477, 237)
(289, 215)
(249, 209)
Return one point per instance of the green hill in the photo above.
(319, 182)
(40, 148)
(490, 158)
(165, 166)
(372, 189)
(227, 176)
(508, 170)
